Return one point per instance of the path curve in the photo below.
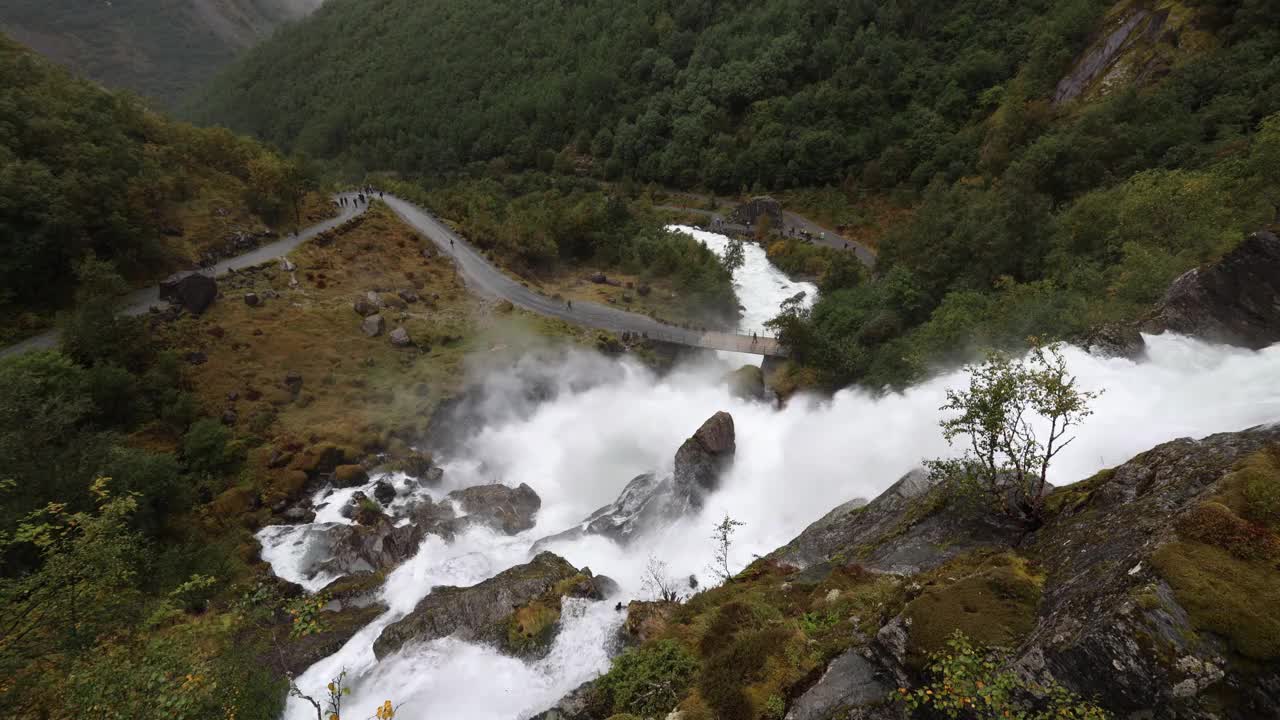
(483, 278)
(140, 301)
(480, 275)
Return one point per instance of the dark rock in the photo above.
(363, 307)
(293, 381)
(372, 546)
(702, 458)
(400, 338)
(279, 458)
(576, 705)
(384, 491)
(196, 358)
(299, 514)
(1231, 301)
(349, 510)
(1116, 340)
(475, 613)
(644, 290)
(373, 325)
(599, 278)
(193, 291)
(511, 510)
(850, 681)
(252, 299)
(229, 417)
(409, 296)
(752, 211)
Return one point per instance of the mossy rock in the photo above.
(531, 629)
(350, 475)
(1231, 597)
(991, 600)
(233, 503)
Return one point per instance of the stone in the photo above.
(598, 278)
(1116, 340)
(384, 492)
(511, 510)
(751, 212)
(644, 290)
(703, 458)
(400, 338)
(252, 300)
(850, 681)
(475, 613)
(373, 325)
(299, 514)
(196, 357)
(1230, 301)
(293, 381)
(409, 296)
(363, 307)
(350, 475)
(229, 417)
(193, 291)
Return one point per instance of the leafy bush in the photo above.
(647, 681)
(206, 447)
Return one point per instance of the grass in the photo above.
(358, 393)
(663, 301)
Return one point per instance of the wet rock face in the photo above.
(476, 613)
(1234, 300)
(702, 458)
(511, 510)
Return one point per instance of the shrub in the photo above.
(967, 683)
(207, 447)
(647, 681)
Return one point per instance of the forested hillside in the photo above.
(1048, 185)
(162, 50)
(87, 172)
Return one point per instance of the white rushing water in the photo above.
(611, 420)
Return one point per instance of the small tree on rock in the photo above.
(1007, 456)
(723, 536)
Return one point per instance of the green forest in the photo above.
(1026, 215)
(87, 172)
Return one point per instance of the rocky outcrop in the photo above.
(649, 502)
(193, 291)
(849, 681)
(1235, 300)
(511, 510)
(702, 459)
(746, 383)
(374, 546)
(477, 613)
(750, 212)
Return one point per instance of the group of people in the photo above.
(362, 197)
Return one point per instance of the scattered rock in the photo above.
(409, 296)
(293, 381)
(363, 307)
(299, 514)
(400, 338)
(196, 358)
(286, 265)
(229, 417)
(599, 278)
(511, 510)
(252, 300)
(373, 325)
(644, 290)
(194, 291)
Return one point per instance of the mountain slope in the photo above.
(161, 50)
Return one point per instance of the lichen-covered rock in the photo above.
(850, 681)
(373, 325)
(479, 612)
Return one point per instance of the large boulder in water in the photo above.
(1232, 301)
(512, 609)
(194, 291)
(703, 458)
(511, 510)
(649, 501)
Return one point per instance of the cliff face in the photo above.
(1150, 588)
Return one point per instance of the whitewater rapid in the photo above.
(610, 420)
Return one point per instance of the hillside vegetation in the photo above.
(163, 51)
(83, 171)
(1041, 185)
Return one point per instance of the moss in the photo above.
(1226, 595)
(1213, 523)
(1252, 490)
(1070, 499)
(991, 599)
(531, 628)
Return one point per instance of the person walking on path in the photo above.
(570, 304)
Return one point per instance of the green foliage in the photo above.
(1004, 455)
(305, 615)
(646, 681)
(207, 448)
(967, 683)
